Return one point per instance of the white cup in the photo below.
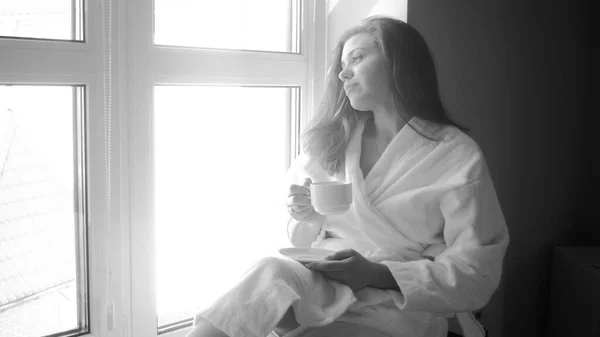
(331, 197)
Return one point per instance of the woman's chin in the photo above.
(359, 106)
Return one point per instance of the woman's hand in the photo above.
(299, 206)
(347, 267)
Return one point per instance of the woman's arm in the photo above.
(354, 270)
(303, 233)
(466, 274)
(383, 278)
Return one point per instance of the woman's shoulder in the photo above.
(448, 136)
(461, 154)
(454, 137)
(468, 150)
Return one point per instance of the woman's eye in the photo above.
(356, 58)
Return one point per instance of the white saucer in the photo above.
(306, 254)
(334, 209)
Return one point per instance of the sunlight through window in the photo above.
(42, 280)
(42, 19)
(266, 25)
(219, 196)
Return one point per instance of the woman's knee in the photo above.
(276, 268)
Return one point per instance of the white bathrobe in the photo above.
(423, 198)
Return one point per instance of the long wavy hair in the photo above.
(414, 86)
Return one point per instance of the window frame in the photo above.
(25, 61)
(165, 65)
(31, 61)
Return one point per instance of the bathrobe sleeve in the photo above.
(464, 276)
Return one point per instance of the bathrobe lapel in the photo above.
(367, 218)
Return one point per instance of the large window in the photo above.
(42, 211)
(142, 150)
(44, 288)
(42, 19)
(266, 25)
(217, 188)
(225, 84)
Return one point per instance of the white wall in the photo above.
(344, 14)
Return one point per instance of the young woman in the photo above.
(425, 237)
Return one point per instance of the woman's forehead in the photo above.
(361, 40)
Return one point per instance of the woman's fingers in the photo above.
(300, 190)
(299, 205)
(298, 200)
(299, 208)
(329, 266)
(307, 182)
(342, 254)
(303, 189)
(300, 213)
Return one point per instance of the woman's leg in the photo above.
(205, 329)
(262, 301)
(336, 329)
(343, 329)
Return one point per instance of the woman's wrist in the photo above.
(303, 233)
(383, 278)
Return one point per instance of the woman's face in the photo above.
(365, 74)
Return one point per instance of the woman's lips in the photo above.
(348, 88)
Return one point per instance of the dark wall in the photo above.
(588, 231)
(515, 73)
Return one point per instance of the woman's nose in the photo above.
(345, 74)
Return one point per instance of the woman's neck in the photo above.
(386, 124)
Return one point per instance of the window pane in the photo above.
(42, 19)
(266, 25)
(41, 290)
(220, 154)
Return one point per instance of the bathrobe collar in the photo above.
(399, 144)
